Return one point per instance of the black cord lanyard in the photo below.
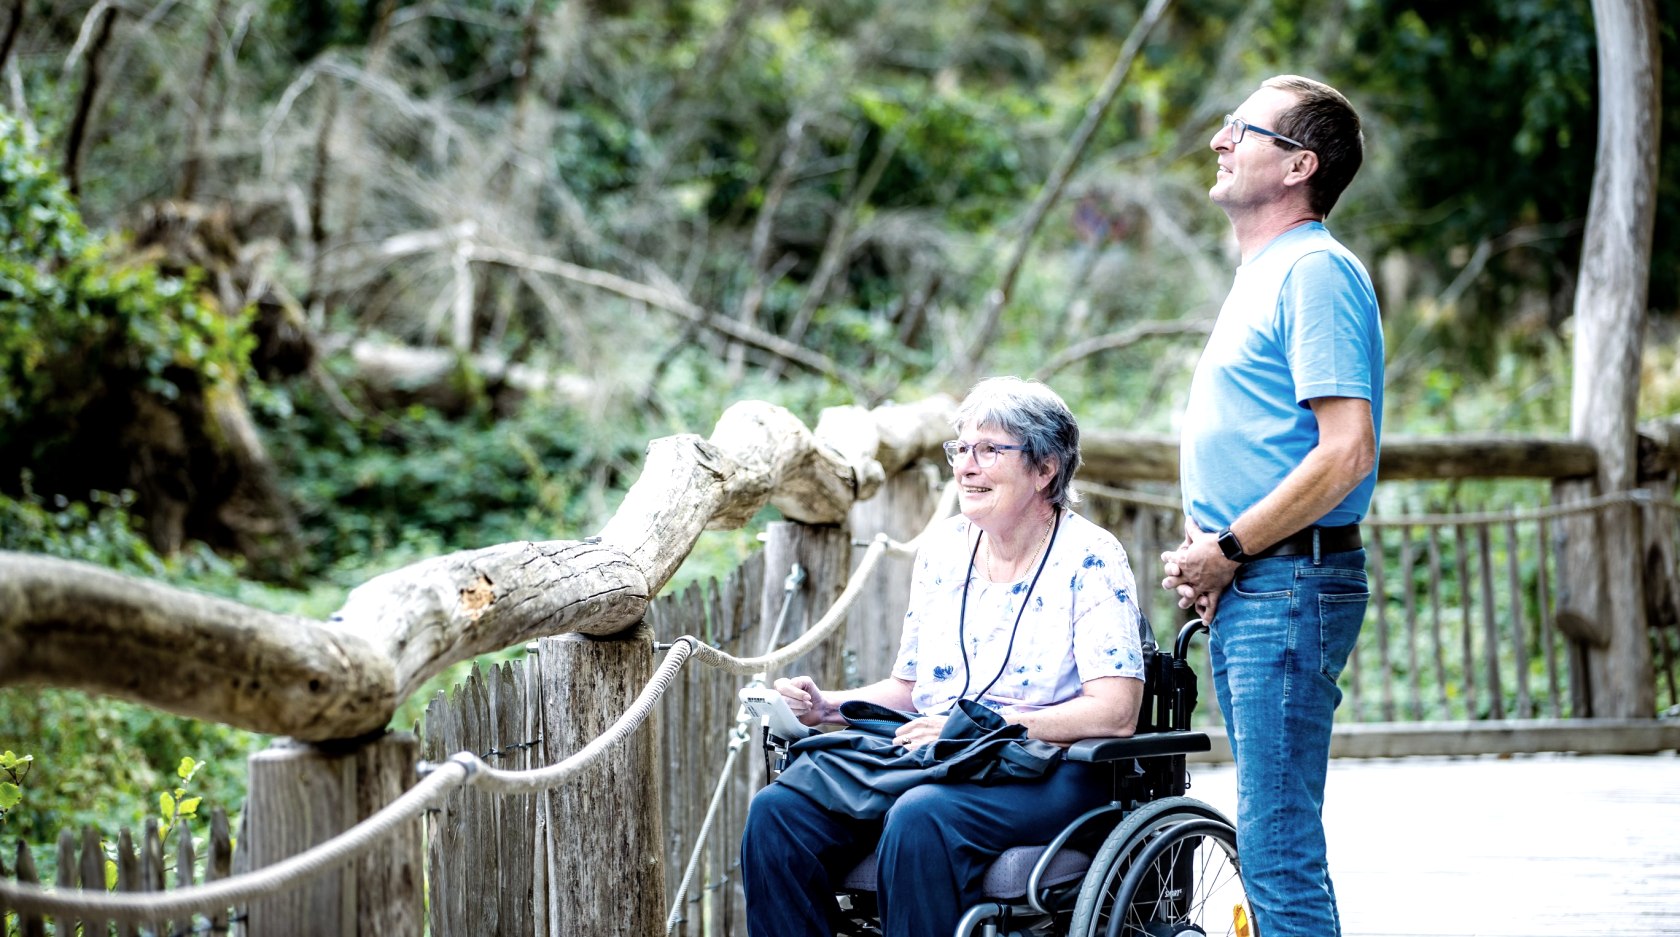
(962, 615)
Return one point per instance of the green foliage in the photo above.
(176, 807)
(80, 333)
(316, 25)
(16, 768)
(959, 153)
(1494, 104)
(416, 482)
(107, 763)
(98, 530)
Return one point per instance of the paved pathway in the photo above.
(1529, 846)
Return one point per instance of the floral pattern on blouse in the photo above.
(1081, 621)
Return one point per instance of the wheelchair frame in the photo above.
(1146, 864)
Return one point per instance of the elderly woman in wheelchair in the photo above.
(1022, 639)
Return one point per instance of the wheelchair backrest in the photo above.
(1169, 692)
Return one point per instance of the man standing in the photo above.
(1278, 464)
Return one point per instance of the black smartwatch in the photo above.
(1229, 546)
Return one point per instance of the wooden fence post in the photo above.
(825, 552)
(606, 840)
(301, 795)
(900, 509)
(1582, 614)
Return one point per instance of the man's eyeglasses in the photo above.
(985, 453)
(1238, 127)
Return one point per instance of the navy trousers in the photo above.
(933, 848)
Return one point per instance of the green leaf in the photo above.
(10, 795)
(166, 806)
(189, 807)
(186, 768)
(110, 875)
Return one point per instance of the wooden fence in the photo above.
(496, 862)
(1462, 629)
(695, 723)
(487, 856)
(1459, 629)
(1463, 623)
(96, 861)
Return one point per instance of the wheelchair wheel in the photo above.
(1094, 912)
(1185, 881)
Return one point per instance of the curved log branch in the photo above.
(69, 624)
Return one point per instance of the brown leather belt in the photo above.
(1330, 540)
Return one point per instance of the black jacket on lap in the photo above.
(859, 771)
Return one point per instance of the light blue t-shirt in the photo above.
(1300, 323)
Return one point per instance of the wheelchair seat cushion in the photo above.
(1006, 878)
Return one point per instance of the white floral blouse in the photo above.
(1082, 622)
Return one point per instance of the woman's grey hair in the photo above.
(1038, 417)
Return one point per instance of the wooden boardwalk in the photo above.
(1524, 846)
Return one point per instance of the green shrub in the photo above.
(81, 333)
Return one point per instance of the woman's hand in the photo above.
(805, 700)
(918, 732)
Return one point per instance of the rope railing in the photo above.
(1630, 496)
(1550, 512)
(738, 737)
(466, 769)
(439, 780)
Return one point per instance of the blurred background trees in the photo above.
(297, 291)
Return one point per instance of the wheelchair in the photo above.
(1150, 863)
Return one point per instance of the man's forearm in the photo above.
(1307, 494)
(1345, 455)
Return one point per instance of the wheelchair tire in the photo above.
(1185, 882)
(1100, 889)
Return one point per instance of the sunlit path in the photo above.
(1530, 846)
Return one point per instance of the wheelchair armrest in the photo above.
(1149, 745)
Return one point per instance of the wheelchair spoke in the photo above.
(1185, 881)
(1098, 896)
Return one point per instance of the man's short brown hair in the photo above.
(1324, 122)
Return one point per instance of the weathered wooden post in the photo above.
(606, 840)
(1610, 309)
(301, 795)
(900, 510)
(824, 551)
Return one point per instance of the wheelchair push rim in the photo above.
(1170, 869)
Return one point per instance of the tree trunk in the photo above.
(1609, 334)
(90, 93)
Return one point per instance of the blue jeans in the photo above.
(1282, 633)
(933, 849)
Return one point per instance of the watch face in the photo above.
(1228, 544)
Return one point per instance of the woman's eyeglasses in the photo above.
(985, 453)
